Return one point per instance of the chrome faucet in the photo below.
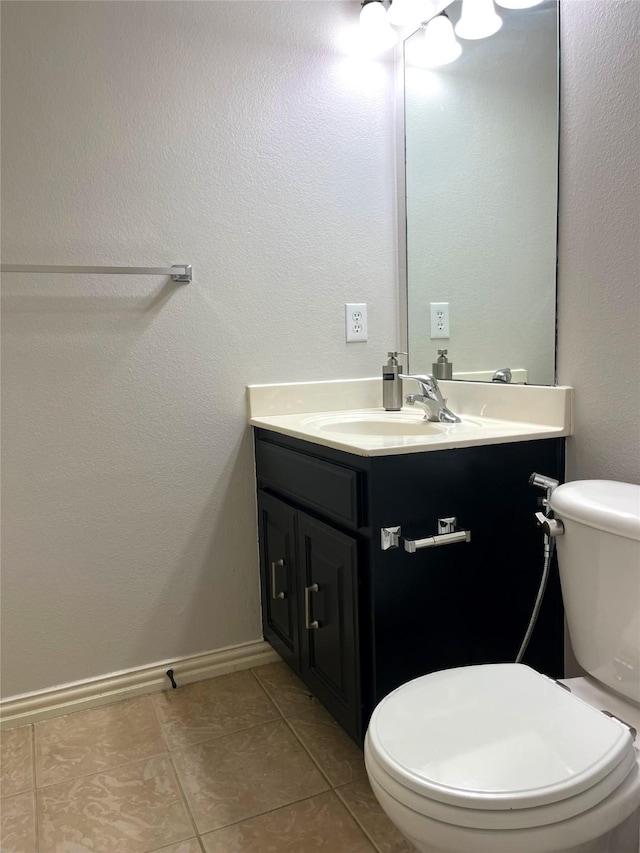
(431, 398)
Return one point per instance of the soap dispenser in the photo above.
(391, 383)
(442, 368)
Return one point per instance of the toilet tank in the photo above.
(599, 562)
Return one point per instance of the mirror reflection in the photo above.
(481, 200)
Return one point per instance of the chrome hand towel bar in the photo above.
(180, 273)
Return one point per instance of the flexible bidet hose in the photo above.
(549, 544)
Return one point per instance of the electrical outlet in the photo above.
(355, 321)
(439, 319)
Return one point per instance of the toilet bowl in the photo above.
(501, 759)
(498, 758)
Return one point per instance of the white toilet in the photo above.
(501, 759)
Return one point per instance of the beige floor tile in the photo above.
(130, 809)
(318, 825)
(212, 708)
(16, 761)
(99, 739)
(329, 745)
(285, 688)
(192, 845)
(244, 774)
(361, 802)
(18, 824)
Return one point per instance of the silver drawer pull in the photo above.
(310, 626)
(276, 564)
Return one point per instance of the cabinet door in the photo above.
(329, 623)
(277, 530)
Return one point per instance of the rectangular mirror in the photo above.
(481, 159)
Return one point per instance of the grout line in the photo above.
(159, 719)
(317, 763)
(33, 757)
(335, 789)
(185, 801)
(103, 770)
(275, 701)
(36, 831)
(268, 811)
(302, 744)
(355, 817)
(360, 826)
(214, 738)
(267, 694)
(195, 838)
(330, 792)
(209, 738)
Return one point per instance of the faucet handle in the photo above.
(502, 375)
(427, 382)
(420, 377)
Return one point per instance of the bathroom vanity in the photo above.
(354, 615)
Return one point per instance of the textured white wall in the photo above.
(233, 136)
(482, 153)
(599, 235)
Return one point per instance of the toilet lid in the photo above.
(603, 504)
(497, 736)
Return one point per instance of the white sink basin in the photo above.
(347, 415)
(364, 423)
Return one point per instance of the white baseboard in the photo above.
(80, 695)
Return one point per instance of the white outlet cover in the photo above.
(355, 322)
(439, 320)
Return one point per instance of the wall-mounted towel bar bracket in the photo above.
(180, 273)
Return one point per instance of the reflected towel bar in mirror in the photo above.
(180, 273)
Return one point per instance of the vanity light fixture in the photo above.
(478, 19)
(518, 4)
(407, 13)
(440, 44)
(375, 30)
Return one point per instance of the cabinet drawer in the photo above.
(330, 489)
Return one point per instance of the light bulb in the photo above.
(373, 15)
(478, 19)
(376, 34)
(440, 44)
(517, 4)
(405, 13)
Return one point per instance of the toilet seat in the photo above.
(495, 746)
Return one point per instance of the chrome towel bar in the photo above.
(180, 273)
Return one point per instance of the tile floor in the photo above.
(244, 763)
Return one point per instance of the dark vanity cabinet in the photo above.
(309, 572)
(355, 621)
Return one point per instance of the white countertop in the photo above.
(348, 415)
